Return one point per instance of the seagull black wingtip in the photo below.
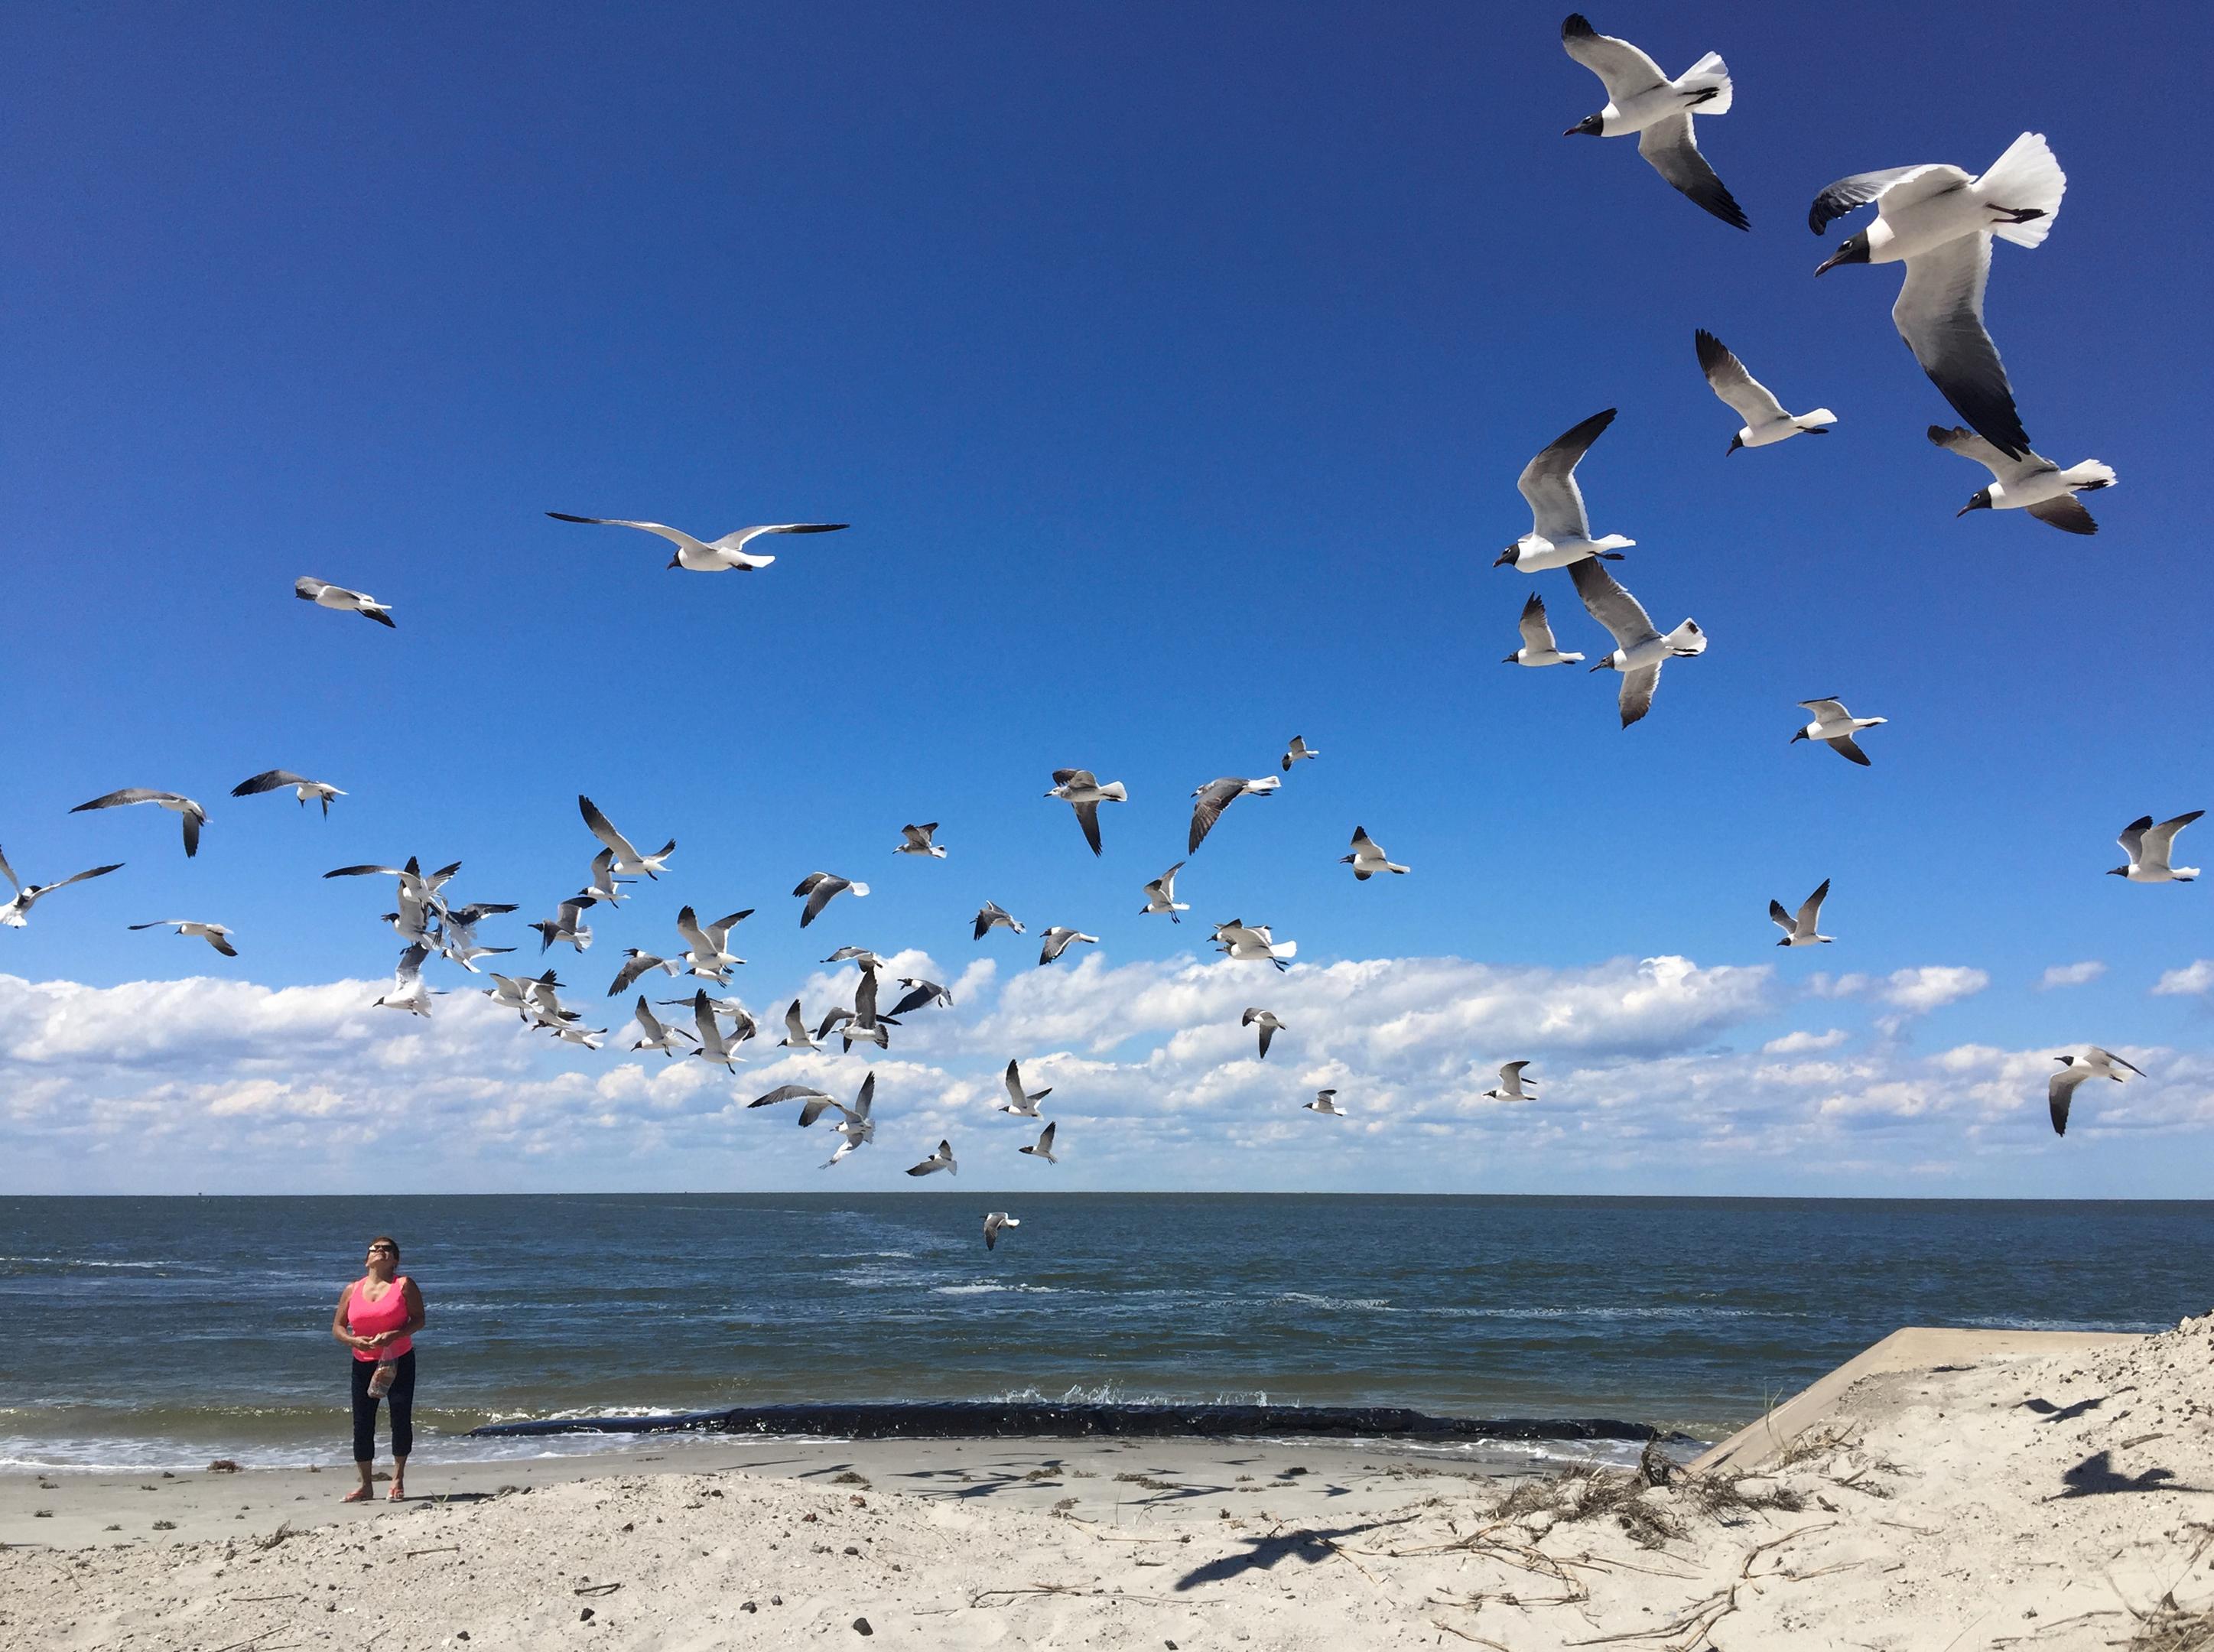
(1577, 26)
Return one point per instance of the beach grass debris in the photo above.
(2169, 1628)
(223, 1466)
(849, 1477)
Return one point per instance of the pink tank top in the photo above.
(388, 1312)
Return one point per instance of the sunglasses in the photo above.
(375, 1248)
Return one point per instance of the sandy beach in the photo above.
(2038, 1493)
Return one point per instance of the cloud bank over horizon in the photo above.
(1652, 1075)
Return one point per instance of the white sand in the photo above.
(1949, 1518)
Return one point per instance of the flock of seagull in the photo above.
(1940, 221)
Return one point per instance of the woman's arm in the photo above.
(414, 1301)
(338, 1322)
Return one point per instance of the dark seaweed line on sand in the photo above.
(1017, 1419)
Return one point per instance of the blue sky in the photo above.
(1174, 371)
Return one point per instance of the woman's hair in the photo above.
(387, 1239)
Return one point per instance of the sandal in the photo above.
(359, 1493)
(395, 1496)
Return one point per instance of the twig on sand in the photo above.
(1699, 1620)
(1758, 1550)
(983, 1597)
(442, 1549)
(1476, 1640)
(597, 1588)
(249, 1599)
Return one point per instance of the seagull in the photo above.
(1537, 647)
(916, 839)
(276, 779)
(1160, 896)
(743, 1024)
(865, 1026)
(2149, 848)
(605, 886)
(636, 964)
(1080, 789)
(1765, 421)
(2094, 1063)
(1270, 1025)
(1325, 1101)
(921, 993)
(1640, 650)
(1560, 530)
(323, 594)
(16, 913)
(2031, 483)
(413, 883)
(860, 955)
(855, 1124)
(1297, 751)
(708, 948)
(1510, 1085)
(1043, 1147)
(629, 862)
(942, 1159)
(790, 1092)
(1800, 931)
(1836, 726)
(1058, 940)
(713, 1046)
(1642, 99)
(1941, 222)
(659, 1034)
(819, 887)
(407, 991)
(993, 916)
(194, 816)
(563, 925)
(571, 1033)
(464, 950)
(712, 556)
(213, 933)
(796, 1035)
(1024, 1102)
(1252, 943)
(995, 1221)
(1216, 796)
(1366, 859)
(532, 997)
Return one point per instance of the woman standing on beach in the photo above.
(377, 1317)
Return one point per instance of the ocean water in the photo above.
(163, 1332)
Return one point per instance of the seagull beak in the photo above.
(1505, 556)
(1797, 735)
(1509, 660)
(1831, 262)
(1603, 665)
(675, 562)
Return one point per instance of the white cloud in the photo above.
(1932, 987)
(1803, 1043)
(2071, 975)
(2192, 978)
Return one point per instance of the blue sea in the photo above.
(144, 1333)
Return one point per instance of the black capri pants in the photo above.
(401, 1398)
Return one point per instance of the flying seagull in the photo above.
(789, 1092)
(192, 816)
(1080, 789)
(629, 862)
(713, 1046)
(213, 933)
(860, 955)
(1800, 931)
(1270, 1025)
(1022, 1102)
(819, 887)
(2149, 848)
(16, 913)
(865, 1026)
(1296, 751)
(276, 779)
(1325, 1101)
(1835, 727)
(408, 992)
(1538, 648)
(636, 964)
(1765, 421)
(1216, 796)
(942, 1159)
(2032, 482)
(1160, 896)
(1058, 940)
(659, 1034)
(710, 556)
(1941, 222)
(605, 886)
(707, 946)
(2094, 1063)
(1252, 943)
(916, 839)
(1642, 99)
(991, 915)
(795, 1035)
(1511, 1087)
(323, 594)
(919, 994)
(1640, 650)
(1366, 859)
(1043, 1147)
(564, 925)
(1559, 533)
(996, 1221)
